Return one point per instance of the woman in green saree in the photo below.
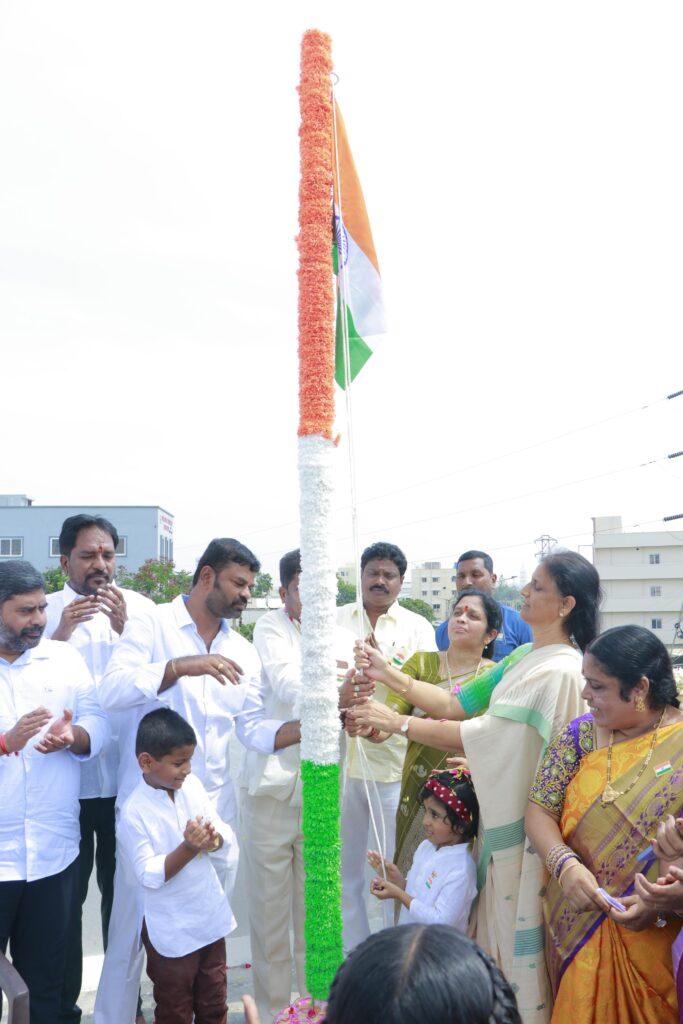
(472, 629)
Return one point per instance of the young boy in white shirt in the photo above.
(167, 830)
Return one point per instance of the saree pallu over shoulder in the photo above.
(609, 839)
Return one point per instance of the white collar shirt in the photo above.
(399, 633)
(190, 910)
(94, 640)
(443, 884)
(39, 811)
(132, 681)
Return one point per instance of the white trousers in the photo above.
(272, 846)
(357, 839)
(117, 992)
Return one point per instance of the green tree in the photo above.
(55, 579)
(508, 594)
(346, 592)
(157, 579)
(262, 585)
(247, 630)
(414, 604)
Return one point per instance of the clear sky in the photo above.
(522, 165)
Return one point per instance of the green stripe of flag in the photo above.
(359, 351)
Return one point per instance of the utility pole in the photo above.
(547, 544)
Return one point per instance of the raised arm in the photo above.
(429, 698)
(441, 735)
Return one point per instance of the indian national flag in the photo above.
(359, 285)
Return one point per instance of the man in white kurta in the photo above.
(89, 614)
(398, 633)
(271, 807)
(185, 656)
(50, 722)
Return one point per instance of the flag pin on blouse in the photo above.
(663, 768)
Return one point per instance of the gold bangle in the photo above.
(408, 687)
(565, 867)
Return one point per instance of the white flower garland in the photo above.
(320, 727)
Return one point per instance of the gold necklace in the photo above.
(609, 793)
(460, 674)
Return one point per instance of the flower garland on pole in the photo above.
(320, 727)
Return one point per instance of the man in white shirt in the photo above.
(47, 707)
(89, 614)
(185, 656)
(398, 633)
(271, 807)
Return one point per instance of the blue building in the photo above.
(32, 531)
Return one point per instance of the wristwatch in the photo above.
(404, 727)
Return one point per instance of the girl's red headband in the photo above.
(446, 795)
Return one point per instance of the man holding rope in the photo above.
(398, 633)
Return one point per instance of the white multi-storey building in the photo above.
(641, 575)
(435, 585)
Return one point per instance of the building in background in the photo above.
(642, 577)
(348, 574)
(32, 531)
(435, 585)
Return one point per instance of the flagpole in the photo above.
(318, 711)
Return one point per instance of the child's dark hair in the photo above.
(455, 785)
(162, 731)
(419, 973)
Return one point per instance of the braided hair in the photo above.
(419, 973)
(504, 1009)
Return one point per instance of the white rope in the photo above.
(366, 772)
(343, 283)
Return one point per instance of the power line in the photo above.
(478, 465)
(518, 497)
(517, 451)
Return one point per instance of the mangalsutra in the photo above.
(609, 793)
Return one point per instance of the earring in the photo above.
(561, 615)
(639, 704)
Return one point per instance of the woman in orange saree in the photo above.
(603, 786)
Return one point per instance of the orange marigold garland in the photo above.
(317, 453)
(316, 295)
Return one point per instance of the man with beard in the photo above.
(398, 633)
(89, 613)
(47, 707)
(184, 655)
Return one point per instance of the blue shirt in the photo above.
(513, 633)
